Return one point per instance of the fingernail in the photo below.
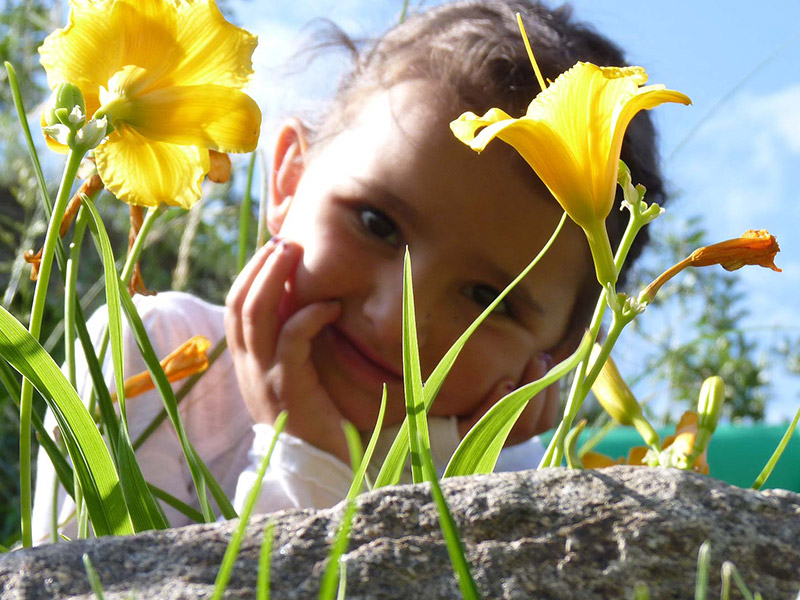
(546, 358)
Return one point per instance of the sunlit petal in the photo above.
(212, 116)
(204, 33)
(167, 73)
(571, 134)
(143, 172)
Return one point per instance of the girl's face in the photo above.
(397, 177)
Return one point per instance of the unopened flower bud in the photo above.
(66, 106)
(616, 398)
(709, 406)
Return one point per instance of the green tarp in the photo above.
(737, 454)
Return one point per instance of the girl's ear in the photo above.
(288, 164)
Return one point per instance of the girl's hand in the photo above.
(271, 349)
(537, 417)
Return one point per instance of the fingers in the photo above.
(245, 278)
(252, 307)
(294, 345)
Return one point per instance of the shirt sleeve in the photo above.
(299, 475)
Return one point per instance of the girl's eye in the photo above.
(483, 295)
(379, 225)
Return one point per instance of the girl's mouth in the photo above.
(360, 360)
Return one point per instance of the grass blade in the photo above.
(224, 574)
(478, 451)
(60, 464)
(395, 461)
(90, 457)
(168, 397)
(328, 587)
(416, 415)
(773, 460)
(144, 510)
(94, 580)
(452, 539)
(703, 567)
(265, 562)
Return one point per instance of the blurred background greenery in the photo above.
(196, 251)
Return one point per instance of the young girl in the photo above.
(313, 321)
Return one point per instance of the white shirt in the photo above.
(219, 426)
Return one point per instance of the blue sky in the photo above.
(732, 157)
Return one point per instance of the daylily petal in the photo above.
(636, 455)
(213, 116)
(572, 133)
(205, 33)
(51, 142)
(595, 460)
(544, 150)
(146, 173)
(79, 53)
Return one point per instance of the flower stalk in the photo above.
(37, 312)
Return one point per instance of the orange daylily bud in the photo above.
(90, 186)
(188, 359)
(220, 169)
(616, 398)
(753, 248)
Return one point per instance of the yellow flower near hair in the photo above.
(571, 135)
(168, 74)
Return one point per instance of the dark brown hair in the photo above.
(474, 47)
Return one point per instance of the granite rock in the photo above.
(555, 533)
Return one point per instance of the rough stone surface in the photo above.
(549, 534)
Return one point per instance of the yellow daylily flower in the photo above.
(169, 75)
(571, 135)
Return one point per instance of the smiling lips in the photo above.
(362, 361)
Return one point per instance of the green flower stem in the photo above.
(555, 450)
(35, 327)
(606, 269)
(70, 296)
(70, 300)
(640, 216)
(245, 214)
